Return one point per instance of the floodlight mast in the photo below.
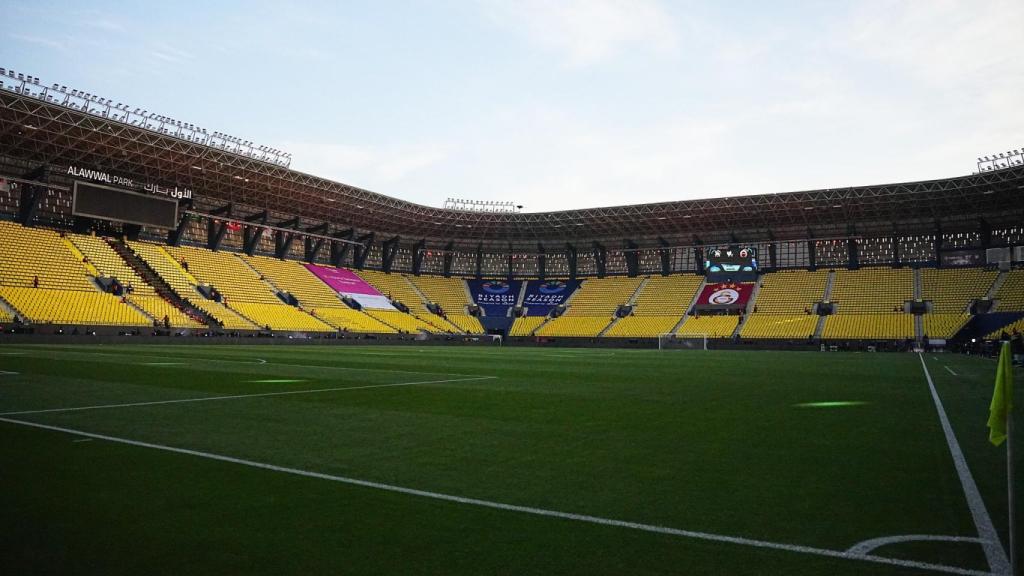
(82, 101)
(1001, 160)
(463, 205)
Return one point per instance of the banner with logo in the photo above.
(495, 297)
(729, 295)
(543, 295)
(347, 283)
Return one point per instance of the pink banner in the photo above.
(726, 295)
(348, 283)
(342, 280)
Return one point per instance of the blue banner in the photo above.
(495, 296)
(542, 296)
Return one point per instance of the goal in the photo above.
(682, 341)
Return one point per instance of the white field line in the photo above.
(259, 361)
(706, 536)
(950, 370)
(869, 545)
(994, 552)
(6, 373)
(240, 396)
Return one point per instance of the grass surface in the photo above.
(713, 442)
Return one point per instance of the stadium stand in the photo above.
(712, 326)
(280, 317)
(453, 298)
(317, 298)
(869, 326)
(47, 306)
(592, 306)
(866, 301)
(409, 323)
(525, 325)
(225, 272)
(292, 277)
(349, 320)
(398, 287)
(1011, 294)
(157, 308)
(33, 252)
(658, 308)
(783, 302)
(951, 291)
(183, 284)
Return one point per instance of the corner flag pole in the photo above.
(1000, 424)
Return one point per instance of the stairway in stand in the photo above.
(154, 280)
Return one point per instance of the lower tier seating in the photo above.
(157, 307)
(404, 322)
(944, 325)
(783, 326)
(581, 326)
(351, 320)
(44, 306)
(1016, 326)
(893, 326)
(466, 323)
(228, 318)
(280, 317)
(712, 326)
(642, 326)
(526, 325)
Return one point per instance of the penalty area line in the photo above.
(706, 536)
(242, 396)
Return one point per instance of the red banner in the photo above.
(725, 295)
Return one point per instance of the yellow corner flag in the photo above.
(1002, 398)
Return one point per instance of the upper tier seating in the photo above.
(790, 291)
(46, 306)
(33, 252)
(1011, 293)
(226, 272)
(712, 326)
(109, 263)
(871, 290)
(294, 278)
(601, 296)
(952, 290)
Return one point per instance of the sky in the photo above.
(560, 104)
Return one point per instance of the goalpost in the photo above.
(682, 341)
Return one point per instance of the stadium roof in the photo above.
(34, 132)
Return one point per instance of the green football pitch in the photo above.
(459, 460)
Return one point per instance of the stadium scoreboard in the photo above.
(117, 205)
(725, 263)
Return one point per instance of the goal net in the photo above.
(682, 341)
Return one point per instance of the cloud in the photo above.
(585, 32)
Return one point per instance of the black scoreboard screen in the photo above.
(731, 260)
(119, 205)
